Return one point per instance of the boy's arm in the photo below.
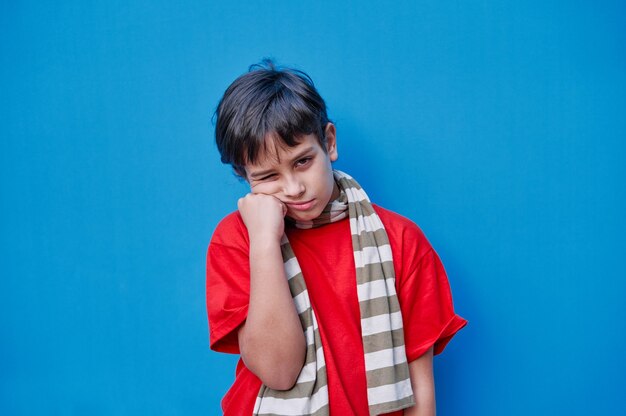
(423, 383)
(271, 341)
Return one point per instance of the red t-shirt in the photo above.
(326, 258)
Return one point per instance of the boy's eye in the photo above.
(267, 177)
(303, 161)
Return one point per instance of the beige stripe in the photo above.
(291, 406)
(367, 239)
(311, 354)
(382, 341)
(378, 306)
(381, 394)
(311, 334)
(376, 271)
(324, 411)
(301, 390)
(378, 237)
(379, 409)
(349, 180)
(387, 375)
(363, 210)
(306, 319)
(297, 285)
(287, 251)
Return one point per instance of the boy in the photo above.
(335, 305)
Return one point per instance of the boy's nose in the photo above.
(293, 188)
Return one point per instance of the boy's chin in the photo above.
(303, 216)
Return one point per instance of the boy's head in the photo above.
(267, 102)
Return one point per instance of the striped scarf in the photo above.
(387, 371)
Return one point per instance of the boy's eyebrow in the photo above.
(260, 173)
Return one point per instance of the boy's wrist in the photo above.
(264, 241)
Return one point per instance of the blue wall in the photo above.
(506, 120)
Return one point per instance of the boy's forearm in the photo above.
(423, 384)
(272, 341)
(425, 406)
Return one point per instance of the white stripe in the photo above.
(321, 361)
(302, 302)
(381, 323)
(376, 289)
(369, 223)
(291, 268)
(337, 206)
(383, 394)
(314, 319)
(339, 215)
(341, 174)
(356, 195)
(292, 407)
(385, 358)
(309, 334)
(370, 255)
(309, 371)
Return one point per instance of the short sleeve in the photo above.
(227, 283)
(426, 301)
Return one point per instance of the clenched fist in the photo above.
(263, 215)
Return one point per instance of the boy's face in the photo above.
(301, 176)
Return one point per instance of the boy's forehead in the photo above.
(273, 151)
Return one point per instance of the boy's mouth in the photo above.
(301, 206)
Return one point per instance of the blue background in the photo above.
(498, 127)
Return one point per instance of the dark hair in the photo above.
(267, 100)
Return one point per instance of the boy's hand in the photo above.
(263, 215)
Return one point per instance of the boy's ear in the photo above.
(331, 142)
